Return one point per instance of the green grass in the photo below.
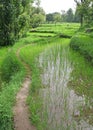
(81, 80)
(9, 67)
(64, 28)
(12, 74)
(9, 86)
(3, 53)
(35, 43)
(83, 43)
(82, 74)
(9, 90)
(82, 83)
(30, 55)
(7, 100)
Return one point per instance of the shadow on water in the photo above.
(61, 105)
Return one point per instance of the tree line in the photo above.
(64, 16)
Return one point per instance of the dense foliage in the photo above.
(37, 16)
(13, 20)
(85, 10)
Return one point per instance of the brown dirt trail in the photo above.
(21, 113)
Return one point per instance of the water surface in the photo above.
(61, 105)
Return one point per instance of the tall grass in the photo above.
(82, 83)
(84, 45)
(8, 94)
(9, 67)
(12, 74)
(7, 100)
(82, 74)
(3, 53)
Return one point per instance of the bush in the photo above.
(9, 67)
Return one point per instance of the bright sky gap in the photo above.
(51, 6)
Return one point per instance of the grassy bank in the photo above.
(12, 75)
(82, 81)
(83, 43)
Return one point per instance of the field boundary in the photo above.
(21, 113)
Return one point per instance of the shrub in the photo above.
(9, 67)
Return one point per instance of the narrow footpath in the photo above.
(21, 113)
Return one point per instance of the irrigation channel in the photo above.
(62, 106)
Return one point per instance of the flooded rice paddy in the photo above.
(61, 105)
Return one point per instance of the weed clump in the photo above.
(9, 67)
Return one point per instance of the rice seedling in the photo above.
(62, 104)
(64, 28)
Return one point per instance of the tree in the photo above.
(22, 17)
(56, 17)
(83, 7)
(49, 17)
(37, 16)
(63, 15)
(6, 22)
(76, 17)
(90, 11)
(14, 20)
(37, 3)
(69, 15)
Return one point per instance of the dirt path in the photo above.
(21, 114)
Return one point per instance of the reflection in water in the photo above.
(60, 104)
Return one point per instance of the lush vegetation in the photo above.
(84, 10)
(45, 37)
(80, 80)
(84, 44)
(19, 19)
(16, 17)
(30, 55)
(10, 83)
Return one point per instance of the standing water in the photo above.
(61, 105)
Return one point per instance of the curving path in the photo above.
(21, 114)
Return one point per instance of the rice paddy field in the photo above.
(61, 91)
